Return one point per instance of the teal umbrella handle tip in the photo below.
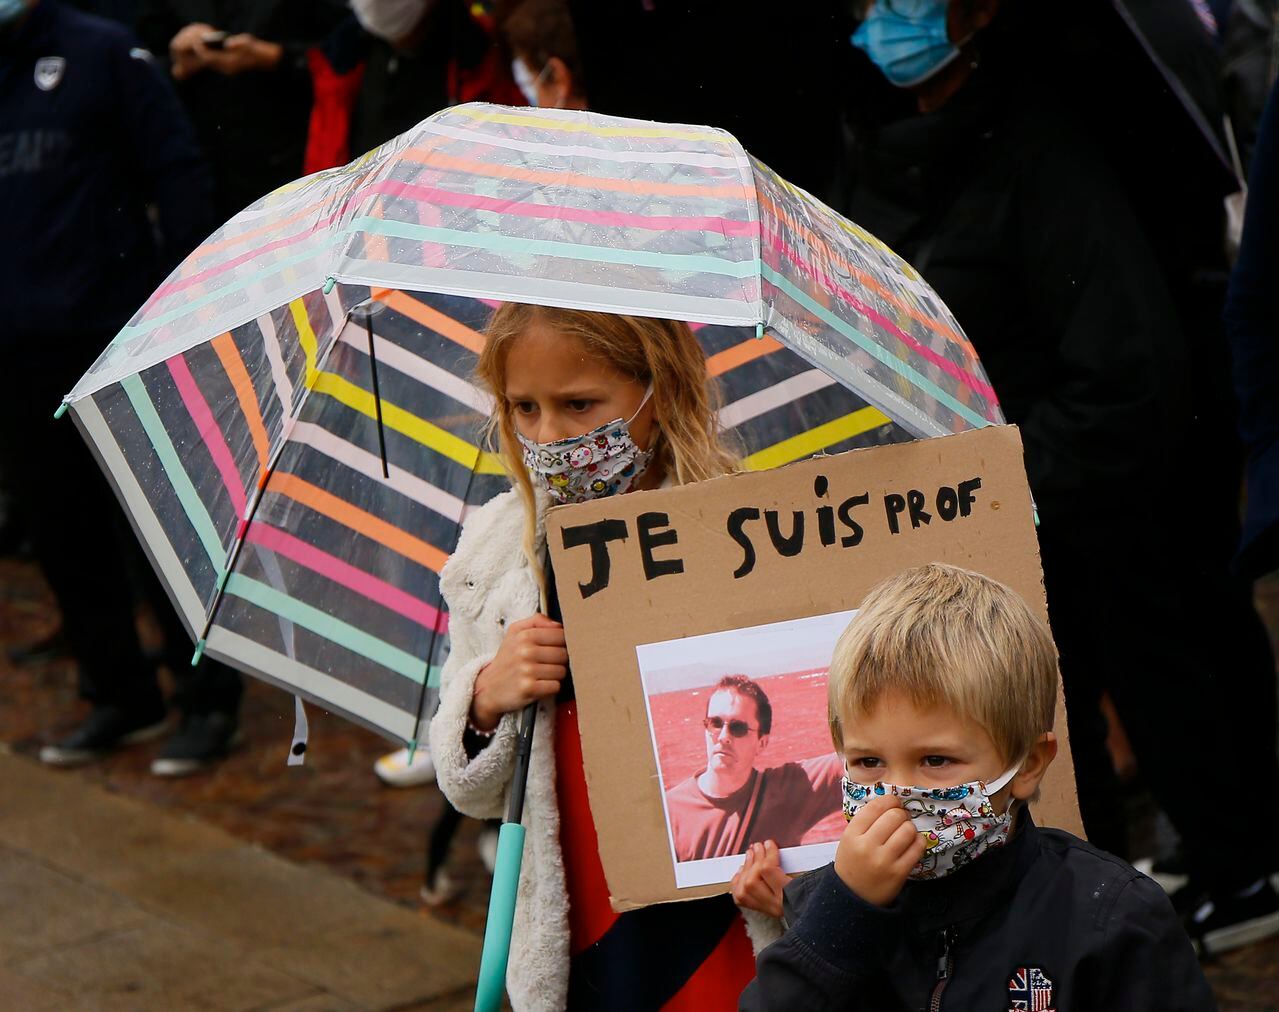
(199, 652)
(501, 917)
(328, 285)
(62, 410)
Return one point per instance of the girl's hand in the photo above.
(878, 850)
(760, 880)
(529, 666)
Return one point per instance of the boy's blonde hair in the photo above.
(665, 353)
(943, 635)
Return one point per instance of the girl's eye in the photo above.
(524, 407)
(580, 406)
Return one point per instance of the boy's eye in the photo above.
(867, 762)
(937, 762)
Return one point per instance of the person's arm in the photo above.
(164, 151)
(832, 951)
(472, 770)
(1146, 962)
(823, 797)
(1252, 326)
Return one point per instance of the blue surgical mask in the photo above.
(907, 39)
(11, 10)
(525, 79)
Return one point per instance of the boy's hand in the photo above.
(878, 850)
(760, 880)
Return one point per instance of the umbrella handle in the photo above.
(501, 917)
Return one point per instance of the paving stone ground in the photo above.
(114, 903)
(255, 885)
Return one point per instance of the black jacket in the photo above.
(1047, 920)
(91, 133)
(1252, 321)
(1018, 223)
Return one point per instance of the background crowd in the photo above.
(1069, 185)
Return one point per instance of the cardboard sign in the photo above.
(754, 575)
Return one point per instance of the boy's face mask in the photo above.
(958, 823)
(906, 39)
(605, 461)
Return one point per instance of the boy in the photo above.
(943, 893)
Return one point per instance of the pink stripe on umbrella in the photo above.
(658, 223)
(943, 363)
(209, 431)
(365, 584)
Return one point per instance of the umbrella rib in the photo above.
(435, 626)
(377, 397)
(233, 556)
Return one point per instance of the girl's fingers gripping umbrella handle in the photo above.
(506, 878)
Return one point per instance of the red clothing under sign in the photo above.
(714, 984)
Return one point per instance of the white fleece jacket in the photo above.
(488, 584)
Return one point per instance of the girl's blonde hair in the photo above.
(665, 353)
(939, 634)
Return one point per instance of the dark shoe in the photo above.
(42, 651)
(1188, 897)
(201, 740)
(106, 729)
(1229, 921)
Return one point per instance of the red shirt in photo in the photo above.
(781, 803)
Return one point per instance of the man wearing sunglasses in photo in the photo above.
(731, 804)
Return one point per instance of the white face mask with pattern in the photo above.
(958, 824)
(605, 461)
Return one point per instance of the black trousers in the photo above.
(1148, 611)
(84, 545)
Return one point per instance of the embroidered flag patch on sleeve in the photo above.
(1030, 990)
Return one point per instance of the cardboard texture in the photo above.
(664, 564)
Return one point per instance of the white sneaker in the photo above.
(445, 889)
(487, 846)
(395, 769)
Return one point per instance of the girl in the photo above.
(588, 405)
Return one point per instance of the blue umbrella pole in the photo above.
(506, 878)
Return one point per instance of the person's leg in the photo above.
(207, 687)
(1081, 638)
(67, 509)
(1193, 698)
(206, 695)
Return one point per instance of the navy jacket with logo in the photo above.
(91, 136)
(1046, 922)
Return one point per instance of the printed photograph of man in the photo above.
(738, 799)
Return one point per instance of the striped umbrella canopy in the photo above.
(290, 420)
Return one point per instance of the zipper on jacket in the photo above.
(945, 966)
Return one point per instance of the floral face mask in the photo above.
(958, 824)
(605, 461)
